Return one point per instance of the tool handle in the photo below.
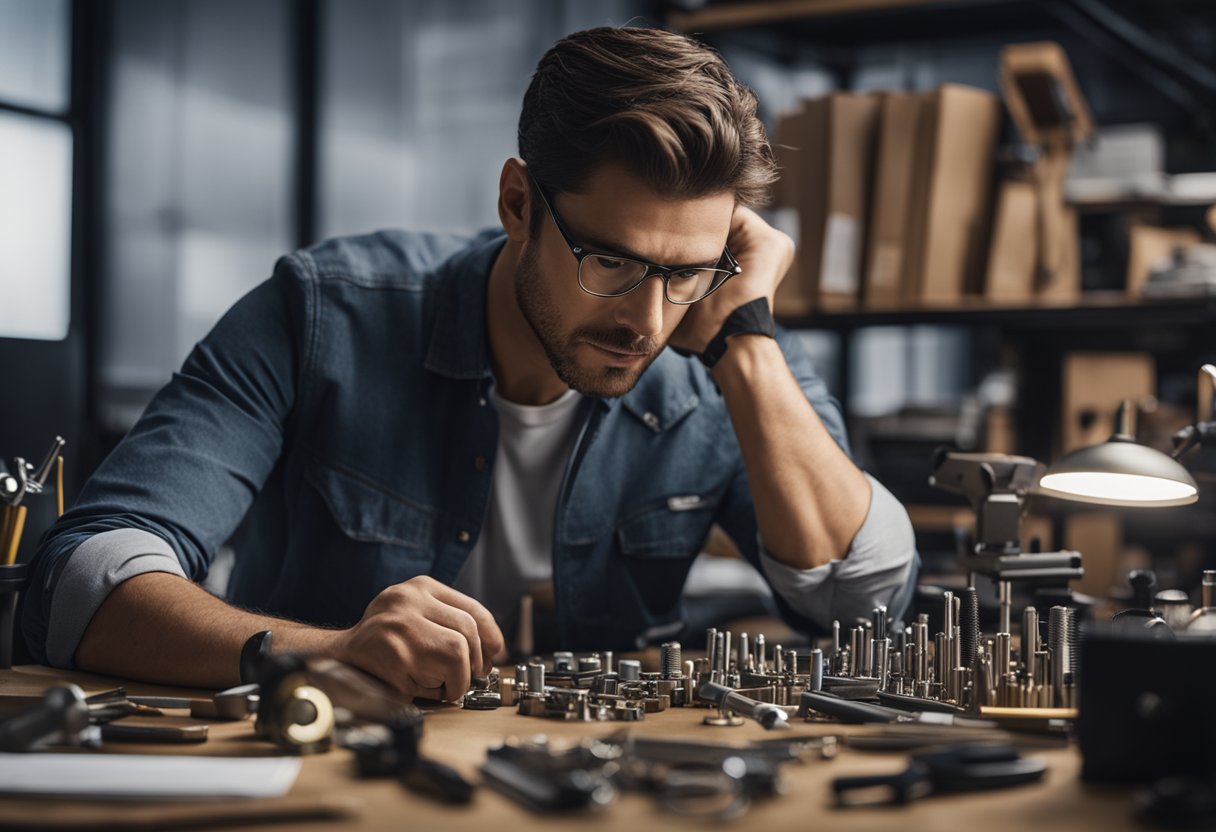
(539, 791)
(61, 711)
(883, 789)
(846, 710)
(435, 780)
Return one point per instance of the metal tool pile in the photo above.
(736, 676)
(959, 665)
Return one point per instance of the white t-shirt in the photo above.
(515, 549)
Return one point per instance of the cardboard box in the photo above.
(1050, 114)
(951, 189)
(829, 181)
(793, 296)
(1013, 256)
(1098, 536)
(1094, 383)
(1148, 247)
(886, 243)
(1060, 280)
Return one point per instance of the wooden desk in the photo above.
(460, 739)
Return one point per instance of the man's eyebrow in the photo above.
(599, 246)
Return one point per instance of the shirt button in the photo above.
(651, 420)
(463, 537)
(479, 462)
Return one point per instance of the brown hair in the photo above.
(663, 105)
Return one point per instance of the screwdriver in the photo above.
(767, 714)
(856, 713)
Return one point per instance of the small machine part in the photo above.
(1175, 607)
(240, 702)
(816, 669)
(969, 626)
(1061, 637)
(61, 718)
(296, 716)
(1203, 620)
(536, 679)
(391, 750)
(630, 670)
(485, 693)
(301, 697)
(1141, 614)
(670, 663)
(1030, 634)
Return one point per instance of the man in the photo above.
(409, 422)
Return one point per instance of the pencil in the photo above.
(59, 485)
(14, 540)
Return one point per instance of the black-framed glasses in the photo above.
(608, 275)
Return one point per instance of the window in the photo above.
(36, 169)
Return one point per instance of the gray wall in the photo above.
(417, 110)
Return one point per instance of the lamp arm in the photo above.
(1200, 434)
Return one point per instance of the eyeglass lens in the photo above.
(603, 275)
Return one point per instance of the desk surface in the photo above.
(460, 739)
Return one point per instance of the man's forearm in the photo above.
(159, 627)
(810, 498)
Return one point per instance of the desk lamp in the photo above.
(1120, 472)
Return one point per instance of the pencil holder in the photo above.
(12, 580)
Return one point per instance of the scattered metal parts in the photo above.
(61, 718)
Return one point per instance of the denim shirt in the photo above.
(338, 415)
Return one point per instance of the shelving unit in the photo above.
(837, 34)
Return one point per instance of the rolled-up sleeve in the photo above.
(90, 573)
(181, 481)
(875, 571)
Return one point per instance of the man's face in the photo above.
(601, 346)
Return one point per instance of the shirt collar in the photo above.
(458, 346)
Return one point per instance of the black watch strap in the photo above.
(752, 318)
(256, 649)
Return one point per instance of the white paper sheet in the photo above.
(146, 775)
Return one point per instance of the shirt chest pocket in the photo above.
(670, 528)
(366, 512)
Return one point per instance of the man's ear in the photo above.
(515, 204)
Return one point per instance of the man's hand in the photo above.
(424, 639)
(764, 254)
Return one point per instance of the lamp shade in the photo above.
(1120, 472)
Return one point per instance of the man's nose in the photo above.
(642, 309)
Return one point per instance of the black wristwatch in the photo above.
(752, 318)
(256, 649)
